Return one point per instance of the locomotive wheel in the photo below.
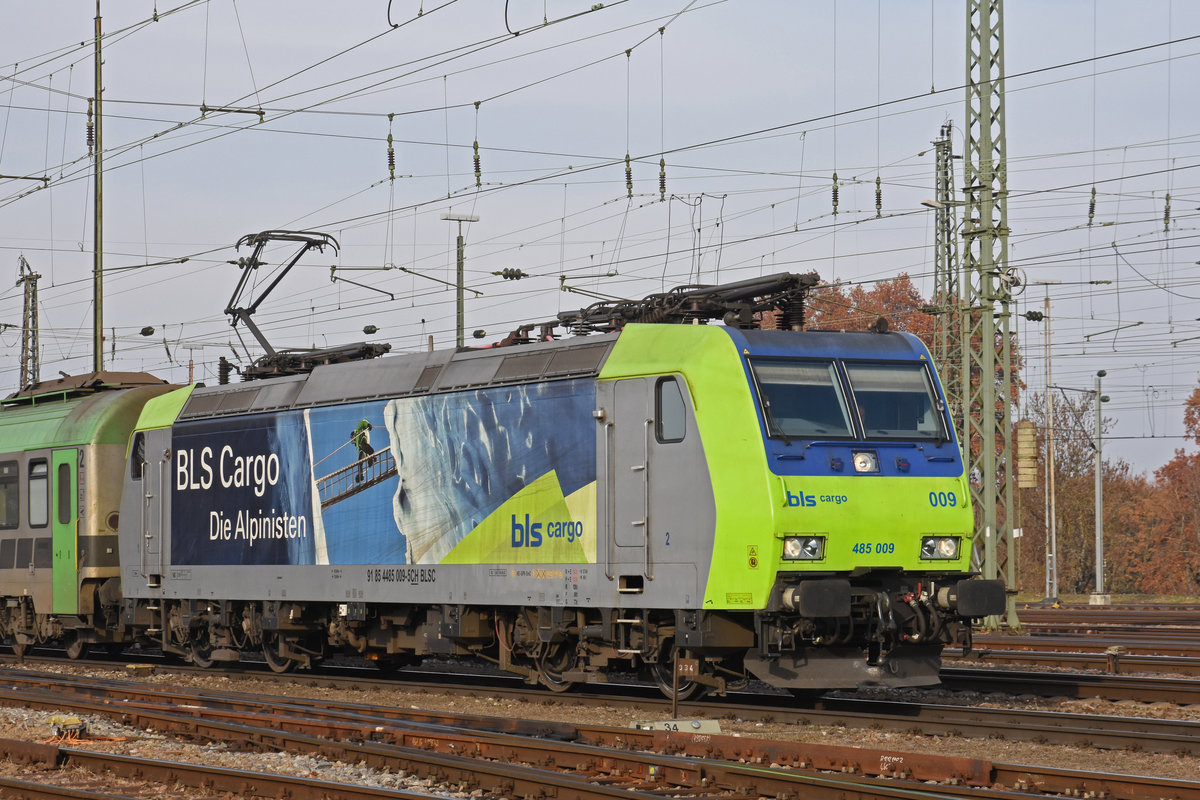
(554, 661)
(688, 689)
(270, 648)
(76, 646)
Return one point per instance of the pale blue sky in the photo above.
(787, 93)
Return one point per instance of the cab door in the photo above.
(148, 463)
(658, 507)
(64, 514)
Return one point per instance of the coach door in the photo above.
(64, 515)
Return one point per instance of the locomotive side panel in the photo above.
(722, 491)
(485, 495)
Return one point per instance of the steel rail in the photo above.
(238, 783)
(1088, 643)
(1143, 688)
(1105, 662)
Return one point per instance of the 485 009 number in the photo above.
(864, 548)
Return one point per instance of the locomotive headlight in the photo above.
(803, 548)
(939, 547)
(866, 461)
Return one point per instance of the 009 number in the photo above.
(943, 499)
(864, 548)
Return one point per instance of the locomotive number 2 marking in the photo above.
(943, 499)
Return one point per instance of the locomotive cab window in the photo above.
(10, 504)
(801, 399)
(137, 456)
(896, 401)
(39, 494)
(669, 411)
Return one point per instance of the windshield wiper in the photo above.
(774, 423)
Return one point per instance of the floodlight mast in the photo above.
(309, 240)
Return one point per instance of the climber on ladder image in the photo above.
(361, 439)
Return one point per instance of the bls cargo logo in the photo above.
(529, 533)
(809, 500)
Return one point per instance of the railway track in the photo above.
(1116, 662)
(1147, 639)
(529, 759)
(767, 705)
(1104, 686)
(1088, 730)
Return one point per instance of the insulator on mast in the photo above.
(91, 129)
(1167, 214)
(1092, 207)
(391, 159)
(878, 197)
(478, 169)
(835, 194)
(662, 179)
(628, 176)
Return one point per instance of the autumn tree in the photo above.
(1166, 557)
(838, 306)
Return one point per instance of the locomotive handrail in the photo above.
(146, 498)
(646, 501)
(609, 511)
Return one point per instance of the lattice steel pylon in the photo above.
(987, 351)
(947, 297)
(30, 361)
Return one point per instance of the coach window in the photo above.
(669, 411)
(10, 504)
(64, 494)
(39, 494)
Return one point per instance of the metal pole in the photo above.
(30, 346)
(1099, 598)
(1052, 513)
(458, 284)
(458, 293)
(98, 215)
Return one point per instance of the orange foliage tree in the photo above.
(855, 308)
(1165, 558)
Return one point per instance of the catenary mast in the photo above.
(988, 346)
(98, 219)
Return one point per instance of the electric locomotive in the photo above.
(718, 500)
